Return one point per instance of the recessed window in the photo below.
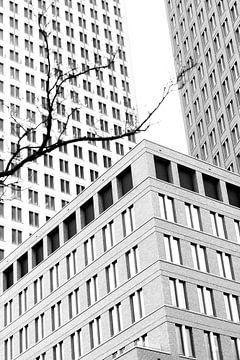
(233, 194)
(8, 277)
(87, 212)
(22, 265)
(70, 227)
(53, 240)
(187, 178)
(37, 253)
(162, 168)
(124, 181)
(105, 197)
(211, 187)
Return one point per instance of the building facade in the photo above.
(81, 34)
(144, 264)
(207, 34)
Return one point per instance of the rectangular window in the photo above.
(8, 348)
(8, 277)
(132, 261)
(136, 305)
(105, 197)
(8, 311)
(172, 249)
(193, 216)
(71, 264)
(205, 298)
(39, 328)
(54, 277)
(166, 208)
(23, 339)
(87, 212)
(178, 293)
(124, 180)
(237, 229)
(128, 221)
(73, 303)
(53, 240)
(37, 253)
(236, 348)
(115, 319)
(111, 276)
(38, 289)
(76, 344)
(184, 340)
(187, 178)
(218, 225)
(22, 301)
(213, 346)
(95, 332)
(225, 265)
(232, 307)
(89, 250)
(162, 168)
(58, 351)
(92, 290)
(108, 236)
(199, 256)
(56, 315)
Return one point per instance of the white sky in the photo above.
(152, 67)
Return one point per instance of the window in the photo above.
(193, 216)
(23, 339)
(218, 225)
(70, 227)
(53, 240)
(22, 266)
(178, 293)
(37, 253)
(108, 236)
(95, 332)
(187, 178)
(89, 250)
(22, 301)
(132, 261)
(213, 346)
(236, 348)
(58, 351)
(76, 344)
(92, 290)
(205, 298)
(38, 289)
(71, 264)
(199, 256)
(56, 315)
(8, 312)
(8, 277)
(162, 168)
(8, 348)
(211, 187)
(128, 221)
(115, 319)
(74, 303)
(54, 277)
(184, 340)
(87, 212)
(166, 208)
(39, 328)
(225, 265)
(105, 197)
(33, 218)
(232, 307)
(172, 249)
(124, 180)
(111, 276)
(237, 229)
(136, 305)
(233, 194)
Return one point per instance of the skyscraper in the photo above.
(207, 34)
(81, 34)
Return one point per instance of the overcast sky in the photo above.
(152, 66)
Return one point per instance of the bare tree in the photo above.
(56, 79)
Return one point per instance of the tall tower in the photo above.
(207, 33)
(81, 33)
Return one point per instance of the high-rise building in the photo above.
(144, 264)
(81, 34)
(206, 34)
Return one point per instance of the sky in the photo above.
(152, 68)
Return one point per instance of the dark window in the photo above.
(211, 187)
(37, 253)
(233, 194)
(87, 212)
(162, 167)
(53, 240)
(22, 265)
(8, 277)
(70, 227)
(187, 178)
(105, 197)
(124, 181)
(1, 254)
